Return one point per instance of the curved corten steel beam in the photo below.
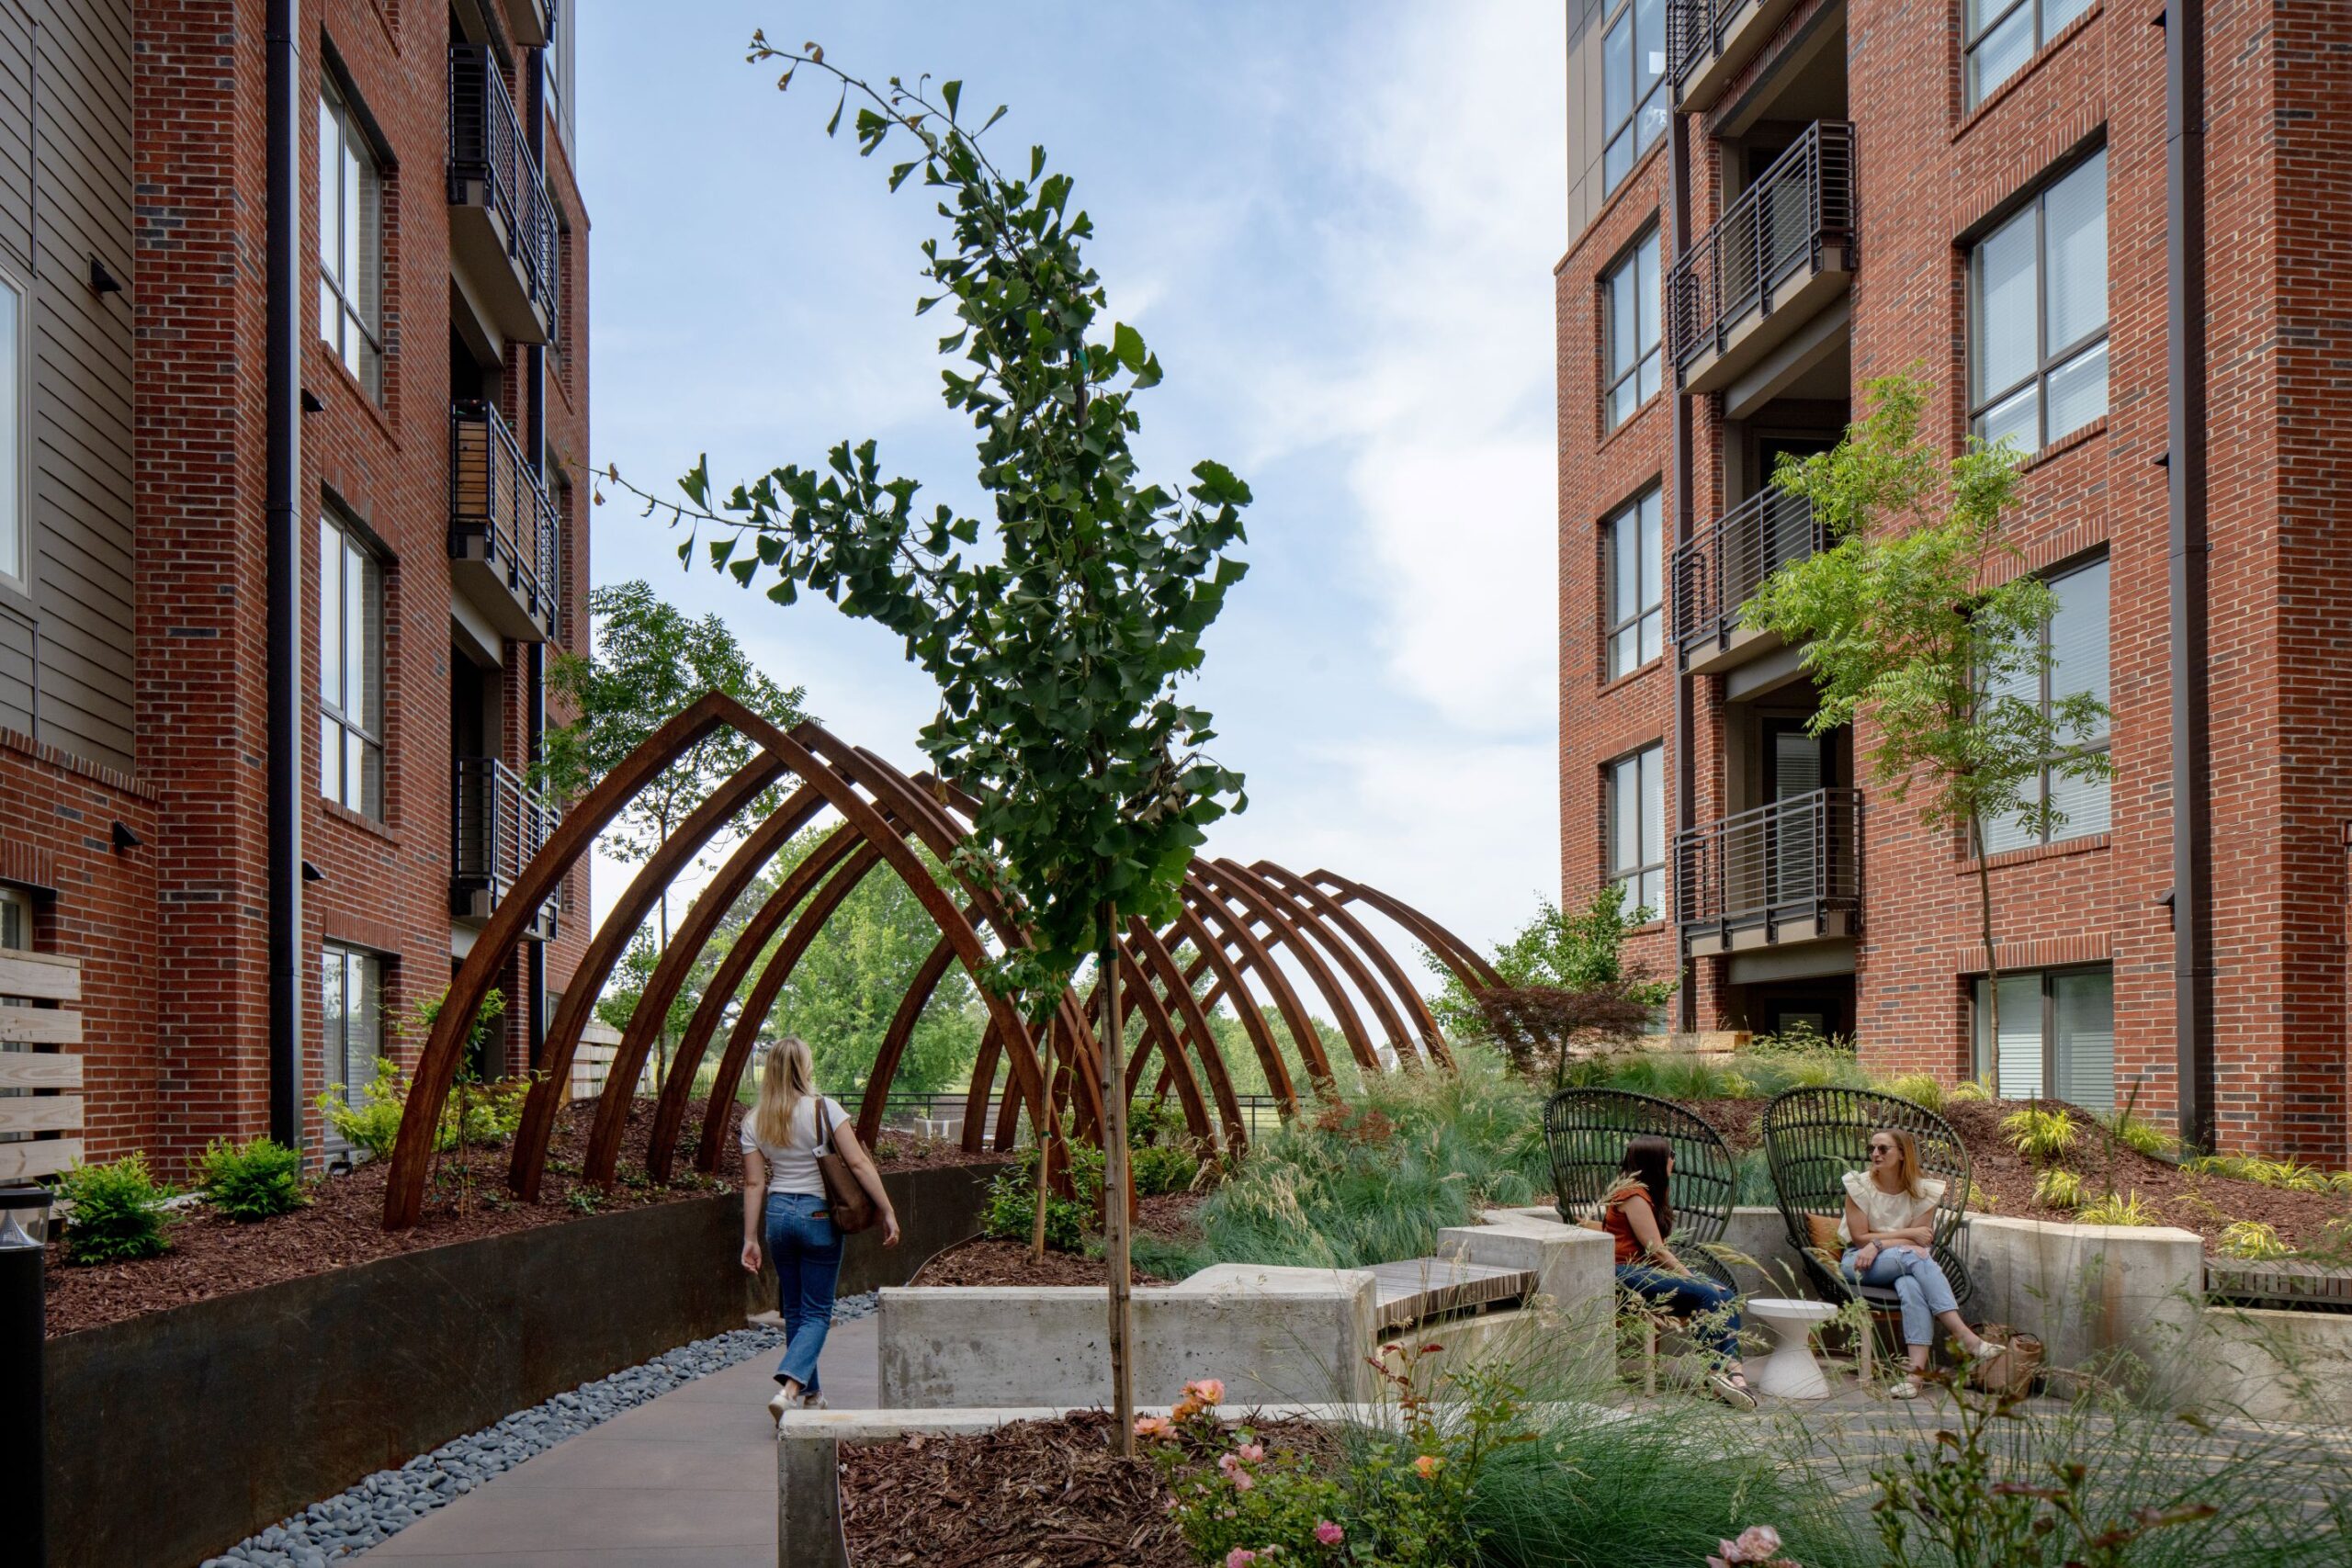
(975, 1094)
(1170, 975)
(1256, 958)
(917, 997)
(436, 1065)
(1211, 955)
(753, 1016)
(1328, 909)
(669, 1116)
(1474, 973)
(1160, 1031)
(1305, 921)
(673, 854)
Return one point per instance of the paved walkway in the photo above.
(683, 1481)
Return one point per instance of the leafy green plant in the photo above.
(1919, 1088)
(371, 1122)
(2138, 1133)
(2252, 1241)
(1163, 1167)
(1153, 1120)
(1231, 1498)
(119, 1212)
(1970, 1090)
(2057, 1187)
(2287, 1175)
(1567, 989)
(1983, 1200)
(2039, 1131)
(583, 1200)
(254, 1180)
(1011, 1211)
(2118, 1209)
(1800, 1038)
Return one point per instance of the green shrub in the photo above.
(2138, 1135)
(1161, 1168)
(256, 1181)
(1154, 1120)
(1968, 1089)
(118, 1211)
(371, 1121)
(1801, 1039)
(2057, 1187)
(2040, 1133)
(2284, 1174)
(1012, 1211)
(2118, 1209)
(2252, 1241)
(1919, 1088)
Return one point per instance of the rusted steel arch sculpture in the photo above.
(1406, 1046)
(1138, 992)
(562, 1039)
(1257, 909)
(1328, 910)
(1474, 973)
(1217, 930)
(1142, 939)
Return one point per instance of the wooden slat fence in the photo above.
(43, 1105)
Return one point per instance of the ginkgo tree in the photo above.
(1056, 625)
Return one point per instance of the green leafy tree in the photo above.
(1920, 618)
(1056, 625)
(652, 661)
(1566, 984)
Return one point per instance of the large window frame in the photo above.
(350, 669)
(351, 1038)
(1999, 36)
(352, 190)
(1632, 308)
(1635, 105)
(1636, 783)
(2063, 1072)
(1635, 538)
(1990, 411)
(2056, 681)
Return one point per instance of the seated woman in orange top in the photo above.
(1639, 1216)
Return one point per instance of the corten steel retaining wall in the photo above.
(174, 1434)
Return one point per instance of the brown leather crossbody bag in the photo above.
(854, 1208)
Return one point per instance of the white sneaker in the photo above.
(781, 1402)
(1904, 1388)
(814, 1401)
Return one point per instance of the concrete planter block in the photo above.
(1272, 1335)
(2094, 1293)
(2268, 1365)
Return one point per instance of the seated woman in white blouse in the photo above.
(1890, 1222)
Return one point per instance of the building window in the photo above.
(2003, 35)
(351, 671)
(2076, 638)
(351, 242)
(1632, 330)
(2057, 1036)
(1636, 809)
(14, 375)
(1636, 614)
(2037, 314)
(1633, 94)
(351, 1014)
(15, 921)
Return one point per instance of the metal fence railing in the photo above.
(942, 1115)
(490, 165)
(1720, 570)
(1695, 30)
(496, 824)
(1776, 233)
(497, 498)
(1792, 864)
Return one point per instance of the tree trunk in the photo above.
(662, 1038)
(1992, 963)
(1115, 1239)
(1044, 1135)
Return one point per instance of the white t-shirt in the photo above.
(792, 1167)
(1888, 1211)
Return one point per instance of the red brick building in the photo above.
(295, 309)
(1773, 201)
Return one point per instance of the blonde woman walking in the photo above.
(784, 1201)
(1888, 1226)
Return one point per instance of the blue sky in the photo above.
(1334, 224)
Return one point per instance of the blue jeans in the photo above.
(806, 1252)
(1688, 1295)
(1918, 1280)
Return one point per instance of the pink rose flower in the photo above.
(1250, 1452)
(1153, 1427)
(1428, 1465)
(1759, 1543)
(1330, 1534)
(1208, 1391)
(1240, 1557)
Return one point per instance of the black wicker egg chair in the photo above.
(1813, 1136)
(1586, 1131)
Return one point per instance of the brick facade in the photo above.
(1930, 179)
(173, 932)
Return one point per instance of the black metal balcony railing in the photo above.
(1721, 570)
(1778, 231)
(489, 151)
(1789, 871)
(502, 513)
(1694, 33)
(496, 825)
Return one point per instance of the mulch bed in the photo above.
(344, 1223)
(1036, 1495)
(984, 1260)
(2205, 1205)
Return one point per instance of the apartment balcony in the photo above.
(1709, 43)
(1784, 251)
(505, 534)
(496, 825)
(531, 22)
(502, 225)
(1787, 873)
(1718, 571)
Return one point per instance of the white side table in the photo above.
(1789, 1372)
